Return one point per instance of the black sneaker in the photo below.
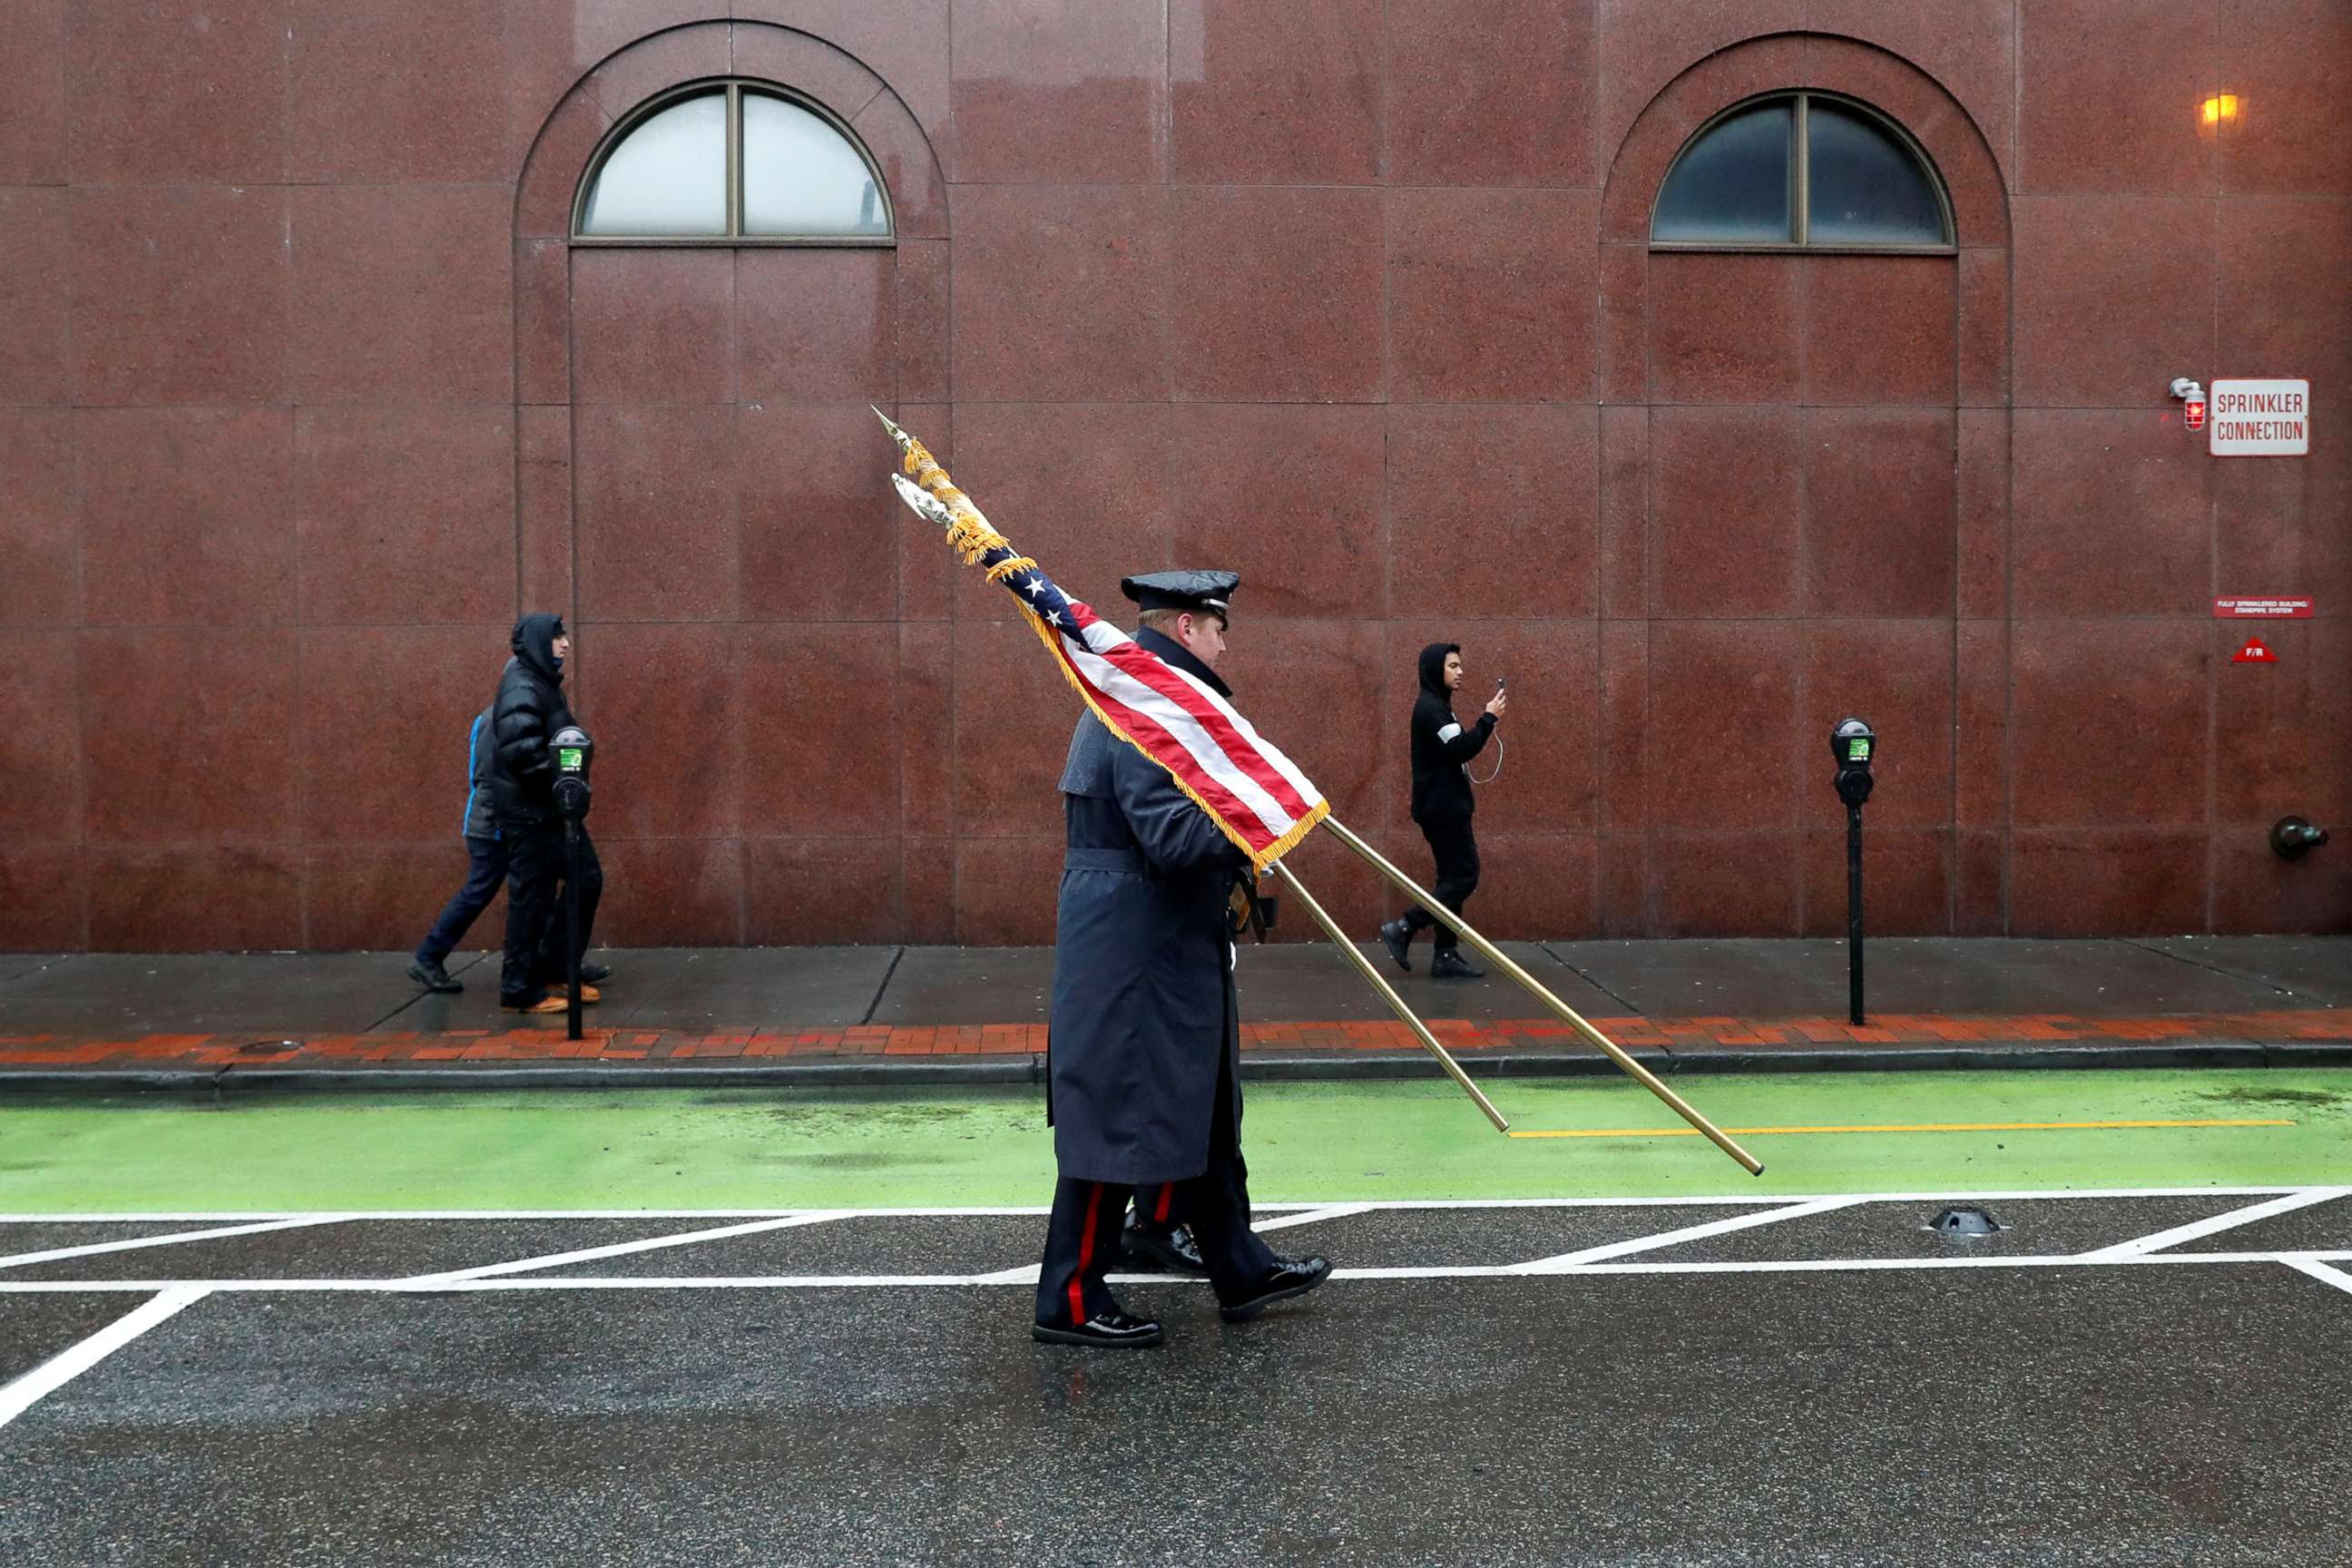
(433, 977)
(1450, 965)
(1397, 938)
(595, 974)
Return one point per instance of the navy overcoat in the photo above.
(1143, 971)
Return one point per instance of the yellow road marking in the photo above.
(1896, 1127)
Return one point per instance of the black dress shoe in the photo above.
(433, 977)
(595, 974)
(1397, 938)
(1173, 1250)
(1112, 1330)
(1291, 1276)
(1451, 966)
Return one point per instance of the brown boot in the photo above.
(551, 1003)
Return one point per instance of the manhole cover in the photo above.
(1965, 1222)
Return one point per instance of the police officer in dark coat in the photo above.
(1143, 1049)
(529, 711)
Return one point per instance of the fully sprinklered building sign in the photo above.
(2260, 419)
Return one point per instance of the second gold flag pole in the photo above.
(1503, 960)
(1388, 994)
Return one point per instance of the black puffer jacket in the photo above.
(528, 712)
(1440, 787)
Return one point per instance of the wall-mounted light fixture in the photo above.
(2220, 109)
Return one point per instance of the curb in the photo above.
(1382, 1067)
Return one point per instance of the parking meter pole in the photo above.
(573, 750)
(1854, 909)
(1855, 744)
(571, 925)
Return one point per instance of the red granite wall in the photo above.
(304, 394)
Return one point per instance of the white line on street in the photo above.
(2180, 1235)
(1593, 1255)
(2321, 1272)
(72, 1363)
(619, 1249)
(1019, 1274)
(1311, 1216)
(951, 1211)
(91, 1250)
(1451, 1271)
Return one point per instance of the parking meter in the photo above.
(1852, 744)
(572, 750)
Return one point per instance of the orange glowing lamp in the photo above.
(2220, 109)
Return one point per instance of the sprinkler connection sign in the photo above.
(2260, 419)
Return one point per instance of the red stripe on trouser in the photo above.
(1166, 1196)
(1086, 1255)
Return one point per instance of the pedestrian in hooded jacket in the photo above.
(485, 851)
(524, 719)
(1443, 806)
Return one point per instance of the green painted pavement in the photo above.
(747, 1149)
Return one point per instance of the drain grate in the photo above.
(1965, 1223)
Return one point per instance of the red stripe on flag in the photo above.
(1142, 665)
(1171, 753)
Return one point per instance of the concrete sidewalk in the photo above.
(853, 1014)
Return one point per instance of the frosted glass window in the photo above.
(1863, 186)
(801, 177)
(1731, 187)
(667, 176)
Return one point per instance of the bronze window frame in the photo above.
(734, 87)
(1801, 184)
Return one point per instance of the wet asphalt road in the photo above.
(2164, 1413)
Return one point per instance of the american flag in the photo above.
(1253, 794)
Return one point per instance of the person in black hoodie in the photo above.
(529, 711)
(1441, 805)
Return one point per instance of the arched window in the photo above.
(1801, 169)
(734, 163)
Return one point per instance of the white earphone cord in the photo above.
(1490, 778)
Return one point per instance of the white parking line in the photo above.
(1592, 1255)
(965, 1281)
(91, 1250)
(2180, 1235)
(2321, 1272)
(68, 1364)
(1741, 1200)
(618, 1249)
(1311, 1216)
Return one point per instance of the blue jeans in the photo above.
(482, 879)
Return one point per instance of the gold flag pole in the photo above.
(936, 498)
(1388, 994)
(1503, 960)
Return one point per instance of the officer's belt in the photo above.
(1105, 860)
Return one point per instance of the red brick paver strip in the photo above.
(458, 1048)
